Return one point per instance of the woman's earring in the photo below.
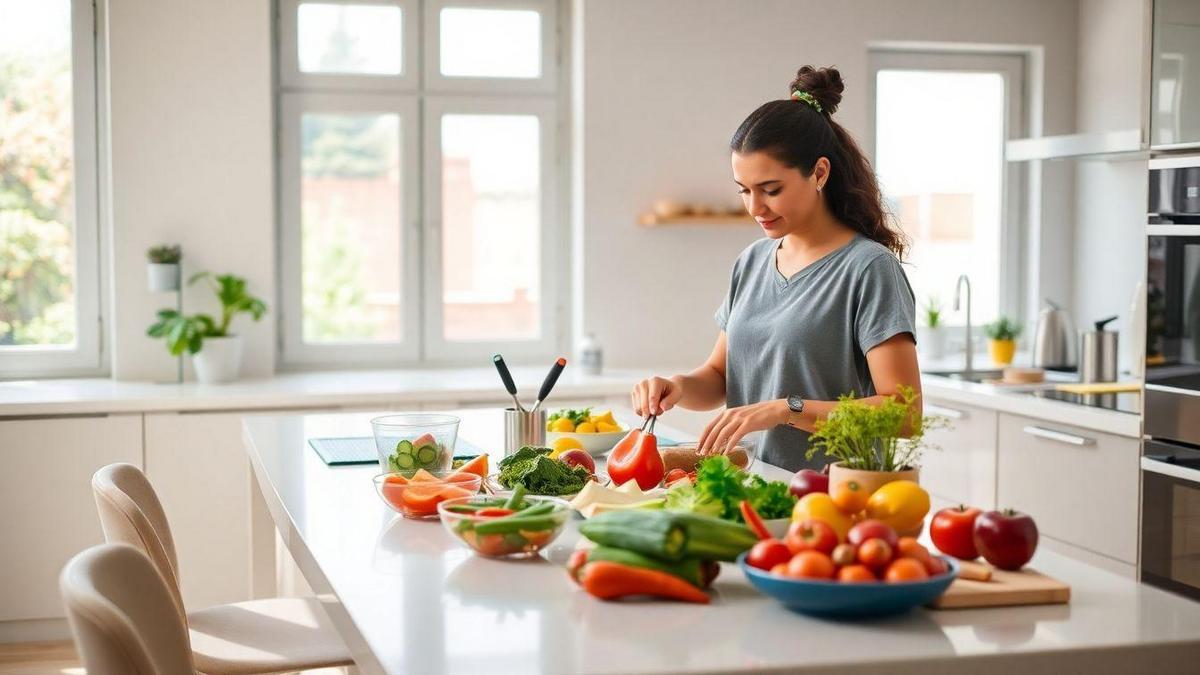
(819, 186)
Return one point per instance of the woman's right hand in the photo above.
(656, 395)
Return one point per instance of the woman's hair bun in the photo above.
(824, 84)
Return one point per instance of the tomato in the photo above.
(936, 566)
(850, 496)
(875, 553)
(856, 574)
(901, 504)
(780, 570)
(820, 506)
(636, 458)
(871, 529)
(1006, 539)
(768, 553)
(537, 538)
(909, 547)
(674, 475)
(905, 569)
(953, 532)
(844, 554)
(811, 535)
(494, 512)
(810, 565)
(491, 544)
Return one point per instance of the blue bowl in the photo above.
(848, 600)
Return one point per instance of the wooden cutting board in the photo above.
(1026, 587)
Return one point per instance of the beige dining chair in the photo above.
(258, 636)
(122, 615)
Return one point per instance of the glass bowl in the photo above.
(418, 494)
(505, 536)
(410, 441)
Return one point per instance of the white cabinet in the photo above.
(960, 467)
(47, 513)
(1080, 486)
(198, 466)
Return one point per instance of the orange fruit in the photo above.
(856, 574)
(850, 496)
(905, 569)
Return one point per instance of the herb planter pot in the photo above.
(872, 481)
(1002, 351)
(931, 342)
(219, 359)
(162, 277)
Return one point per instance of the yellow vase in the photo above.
(1002, 351)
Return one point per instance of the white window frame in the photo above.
(289, 58)
(545, 83)
(422, 96)
(86, 355)
(293, 106)
(1011, 67)
(437, 348)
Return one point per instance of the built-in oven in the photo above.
(1170, 463)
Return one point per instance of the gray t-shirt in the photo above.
(809, 334)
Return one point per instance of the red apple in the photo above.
(1006, 539)
(872, 529)
(953, 531)
(578, 457)
(806, 481)
(811, 535)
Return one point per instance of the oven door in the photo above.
(1171, 518)
(1172, 401)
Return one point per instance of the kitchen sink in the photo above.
(986, 376)
(977, 376)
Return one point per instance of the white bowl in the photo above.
(778, 527)
(596, 444)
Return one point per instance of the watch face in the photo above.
(796, 403)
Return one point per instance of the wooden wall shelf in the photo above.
(724, 219)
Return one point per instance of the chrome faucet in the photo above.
(962, 279)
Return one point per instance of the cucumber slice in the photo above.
(403, 462)
(427, 455)
(404, 448)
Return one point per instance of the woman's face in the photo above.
(779, 197)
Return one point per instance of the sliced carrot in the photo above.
(753, 521)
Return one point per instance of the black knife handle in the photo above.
(551, 378)
(506, 376)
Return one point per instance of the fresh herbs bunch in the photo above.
(165, 255)
(871, 437)
(720, 488)
(187, 333)
(577, 416)
(933, 311)
(1003, 328)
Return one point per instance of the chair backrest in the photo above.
(130, 513)
(122, 615)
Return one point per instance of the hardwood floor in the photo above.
(39, 658)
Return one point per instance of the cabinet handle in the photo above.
(949, 413)
(1060, 436)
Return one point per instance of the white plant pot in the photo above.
(931, 342)
(219, 359)
(162, 277)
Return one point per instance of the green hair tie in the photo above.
(808, 98)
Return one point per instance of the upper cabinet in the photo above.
(1175, 73)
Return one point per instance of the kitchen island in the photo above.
(408, 598)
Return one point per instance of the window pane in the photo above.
(37, 241)
(351, 39)
(491, 43)
(491, 225)
(939, 141)
(350, 206)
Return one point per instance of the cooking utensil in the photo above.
(1098, 353)
(506, 377)
(548, 383)
(1053, 345)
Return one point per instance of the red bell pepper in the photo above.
(636, 458)
(754, 521)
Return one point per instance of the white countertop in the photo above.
(409, 599)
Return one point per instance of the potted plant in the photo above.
(1002, 339)
(932, 336)
(162, 272)
(873, 444)
(216, 353)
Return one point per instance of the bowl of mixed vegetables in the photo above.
(416, 494)
(516, 526)
(407, 442)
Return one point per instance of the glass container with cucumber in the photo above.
(408, 442)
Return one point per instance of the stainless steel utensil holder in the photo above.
(522, 428)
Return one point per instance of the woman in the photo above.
(817, 309)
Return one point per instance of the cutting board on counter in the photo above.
(1005, 589)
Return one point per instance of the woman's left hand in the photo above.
(727, 429)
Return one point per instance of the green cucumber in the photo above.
(687, 569)
(402, 462)
(427, 455)
(652, 533)
(404, 448)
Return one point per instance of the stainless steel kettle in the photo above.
(1054, 339)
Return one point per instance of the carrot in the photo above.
(610, 581)
(576, 562)
(753, 521)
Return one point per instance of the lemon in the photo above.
(586, 428)
(563, 425)
(606, 427)
(564, 444)
(606, 417)
(901, 504)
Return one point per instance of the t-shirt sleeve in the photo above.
(722, 314)
(886, 304)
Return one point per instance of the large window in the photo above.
(49, 276)
(941, 121)
(417, 180)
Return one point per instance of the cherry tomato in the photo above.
(810, 565)
(872, 529)
(936, 566)
(856, 574)
(905, 569)
(780, 570)
(768, 553)
(811, 535)
(875, 553)
(850, 496)
(952, 531)
(909, 547)
(494, 512)
(844, 554)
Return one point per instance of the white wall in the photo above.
(191, 163)
(665, 84)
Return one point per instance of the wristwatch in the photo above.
(795, 403)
